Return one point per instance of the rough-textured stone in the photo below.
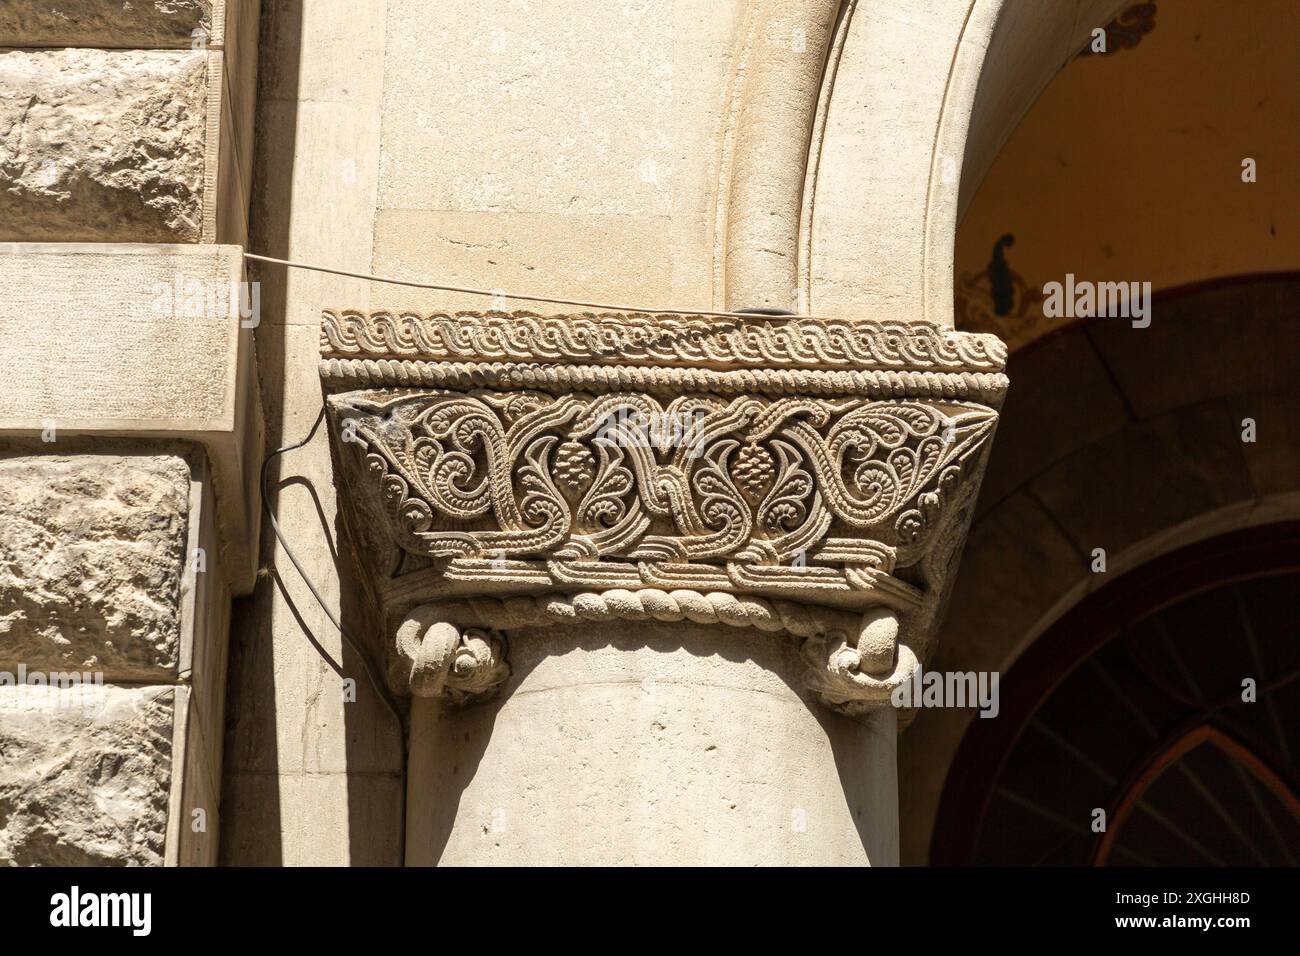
(102, 145)
(85, 775)
(148, 337)
(122, 23)
(92, 549)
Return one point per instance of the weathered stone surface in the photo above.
(92, 549)
(85, 775)
(147, 337)
(153, 339)
(122, 23)
(102, 145)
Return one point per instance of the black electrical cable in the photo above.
(347, 638)
(499, 294)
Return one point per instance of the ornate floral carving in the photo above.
(575, 467)
(700, 478)
(754, 470)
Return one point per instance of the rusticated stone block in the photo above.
(119, 23)
(85, 775)
(99, 145)
(92, 551)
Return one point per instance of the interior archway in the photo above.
(1134, 442)
(1166, 161)
(1096, 449)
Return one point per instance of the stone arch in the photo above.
(1096, 451)
(1099, 438)
(971, 72)
(1017, 47)
(1117, 174)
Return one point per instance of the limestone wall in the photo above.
(130, 423)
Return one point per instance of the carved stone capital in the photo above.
(792, 474)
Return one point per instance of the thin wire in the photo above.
(504, 295)
(275, 526)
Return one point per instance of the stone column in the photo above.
(651, 743)
(651, 580)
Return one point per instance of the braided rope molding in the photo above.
(651, 604)
(987, 387)
(661, 339)
(854, 664)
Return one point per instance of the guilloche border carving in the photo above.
(661, 339)
(661, 353)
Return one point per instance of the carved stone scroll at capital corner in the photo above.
(791, 474)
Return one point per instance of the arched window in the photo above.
(1169, 701)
